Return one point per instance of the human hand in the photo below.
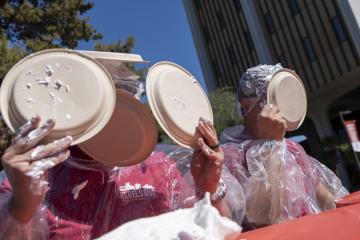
(270, 123)
(24, 160)
(208, 157)
(325, 198)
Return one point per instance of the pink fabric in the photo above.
(306, 176)
(232, 153)
(105, 202)
(304, 162)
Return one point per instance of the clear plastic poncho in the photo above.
(86, 199)
(279, 179)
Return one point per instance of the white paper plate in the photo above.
(65, 85)
(177, 101)
(286, 91)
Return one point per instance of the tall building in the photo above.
(319, 39)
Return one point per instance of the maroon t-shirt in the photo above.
(85, 202)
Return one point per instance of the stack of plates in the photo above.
(65, 85)
(77, 91)
(129, 137)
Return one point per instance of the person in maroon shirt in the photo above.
(85, 199)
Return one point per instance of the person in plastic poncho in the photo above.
(280, 180)
(81, 198)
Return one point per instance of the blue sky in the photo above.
(160, 28)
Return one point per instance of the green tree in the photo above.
(118, 46)
(8, 56)
(123, 47)
(223, 102)
(28, 26)
(39, 24)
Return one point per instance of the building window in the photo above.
(216, 68)
(232, 56)
(207, 34)
(221, 20)
(197, 4)
(309, 49)
(269, 23)
(238, 5)
(294, 7)
(338, 28)
(281, 59)
(249, 41)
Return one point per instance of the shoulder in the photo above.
(294, 147)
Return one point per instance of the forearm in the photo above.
(35, 227)
(22, 214)
(325, 198)
(10, 228)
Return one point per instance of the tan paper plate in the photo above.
(129, 137)
(177, 101)
(286, 91)
(62, 84)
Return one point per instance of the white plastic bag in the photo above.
(203, 221)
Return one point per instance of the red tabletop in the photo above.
(349, 200)
(337, 224)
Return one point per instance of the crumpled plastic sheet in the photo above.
(279, 179)
(136, 88)
(10, 229)
(202, 222)
(87, 199)
(123, 77)
(254, 83)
